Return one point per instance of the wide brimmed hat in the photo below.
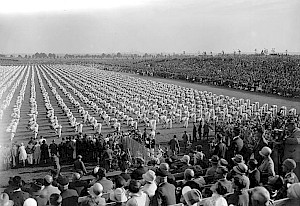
(161, 173)
(214, 159)
(191, 196)
(265, 151)
(5, 201)
(238, 159)
(290, 164)
(185, 159)
(241, 169)
(118, 195)
(149, 176)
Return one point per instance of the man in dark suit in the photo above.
(165, 193)
(174, 145)
(137, 174)
(69, 196)
(79, 165)
(18, 196)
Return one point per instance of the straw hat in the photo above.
(265, 151)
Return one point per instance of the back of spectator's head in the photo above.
(17, 182)
(4, 200)
(189, 174)
(30, 202)
(239, 182)
(259, 196)
(221, 171)
(120, 181)
(186, 159)
(134, 186)
(63, 182)
(101, 173)
(289, 165)
(220, 188)
(76, 176)
(48, 180)
(55, 199)
(164, 166)
(97, 189)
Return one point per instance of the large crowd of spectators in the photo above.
(268, 74)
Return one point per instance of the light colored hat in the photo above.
(186, 159)
(238, 159)
(149, 176)
(5, 201)
(30, 202)
(265, 151)
(290, 164)
(118, 195)
(191, 196)
(96, 190)
(260, 196)
(241, 169)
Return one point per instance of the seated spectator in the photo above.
(217, 198)
(241, 170)
(69, 196)
(79, 165)
(253, 173)
(49, 189)
(94, 197)
(210, 173)
(137, 174)
(259, 196)
(189, 180)
(124, 174)
(36, 193)
(192, 197)
(221, 176)
(18, 196)
(240, 196)
(5, 201)
(288, 167)
(119, 194)
(276, 187)
(106, 183)
(150, 187)
(137, 197)
(294, 191)
(78, 184)
(170, 178)
(55, 200)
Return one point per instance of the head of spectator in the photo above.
(185, 159)
(288, 165)
(290, 125)
(214, 160)
(274, 184)
(96, 190)
(134, 186)
(259, 196)
(252, 164)
(239, 183)
(149, 177)
(265, 152)
(48, 180)
(223, 162)
(189, 174)
(79, 157)
(237, 159)
(55, 199)
(63, 183)
(259, 133)
(293, 191)
(164, 166)
(238, 143)
(17, 182)
(140, 162)
(236, 131)
(101, 173)
(30, 202)
(76, 176)
(5, 201)
(36, 188)
(240, 169)
(219, 188)
(192, 196)
(119, 182)
(161, 176)
(221, 172)
(95, 171)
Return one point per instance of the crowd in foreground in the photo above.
(230, 179)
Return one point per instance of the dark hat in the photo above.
(241, 168)
(214, 159)
(161, 173)
(238, 159)
(253, 162)
(134, 186)
(63, 181)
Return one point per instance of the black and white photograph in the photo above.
(149, 103)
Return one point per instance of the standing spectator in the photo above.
(185, 140)
(29, 151)
(79, 165)
(253, 173)
(69, 196)
(49, 189)
(14, 154)
(194, 133)
(266, 168)
(206, 129)
(22, 154)
(53, 148)
(37, 153)
(260, 143)
(107, 158)
(174, 145)
(137, 174)
(220, 148)
(165, 193)
(200, 129)
(94, 197)
(62, 150)
(44, 152)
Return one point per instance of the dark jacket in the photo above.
(238, 198)
(138, 172)
(164, 195)
(254, 177)
(19, 197)
(69, 197)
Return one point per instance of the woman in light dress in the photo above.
(22, 154)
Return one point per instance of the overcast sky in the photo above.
(97, 26)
